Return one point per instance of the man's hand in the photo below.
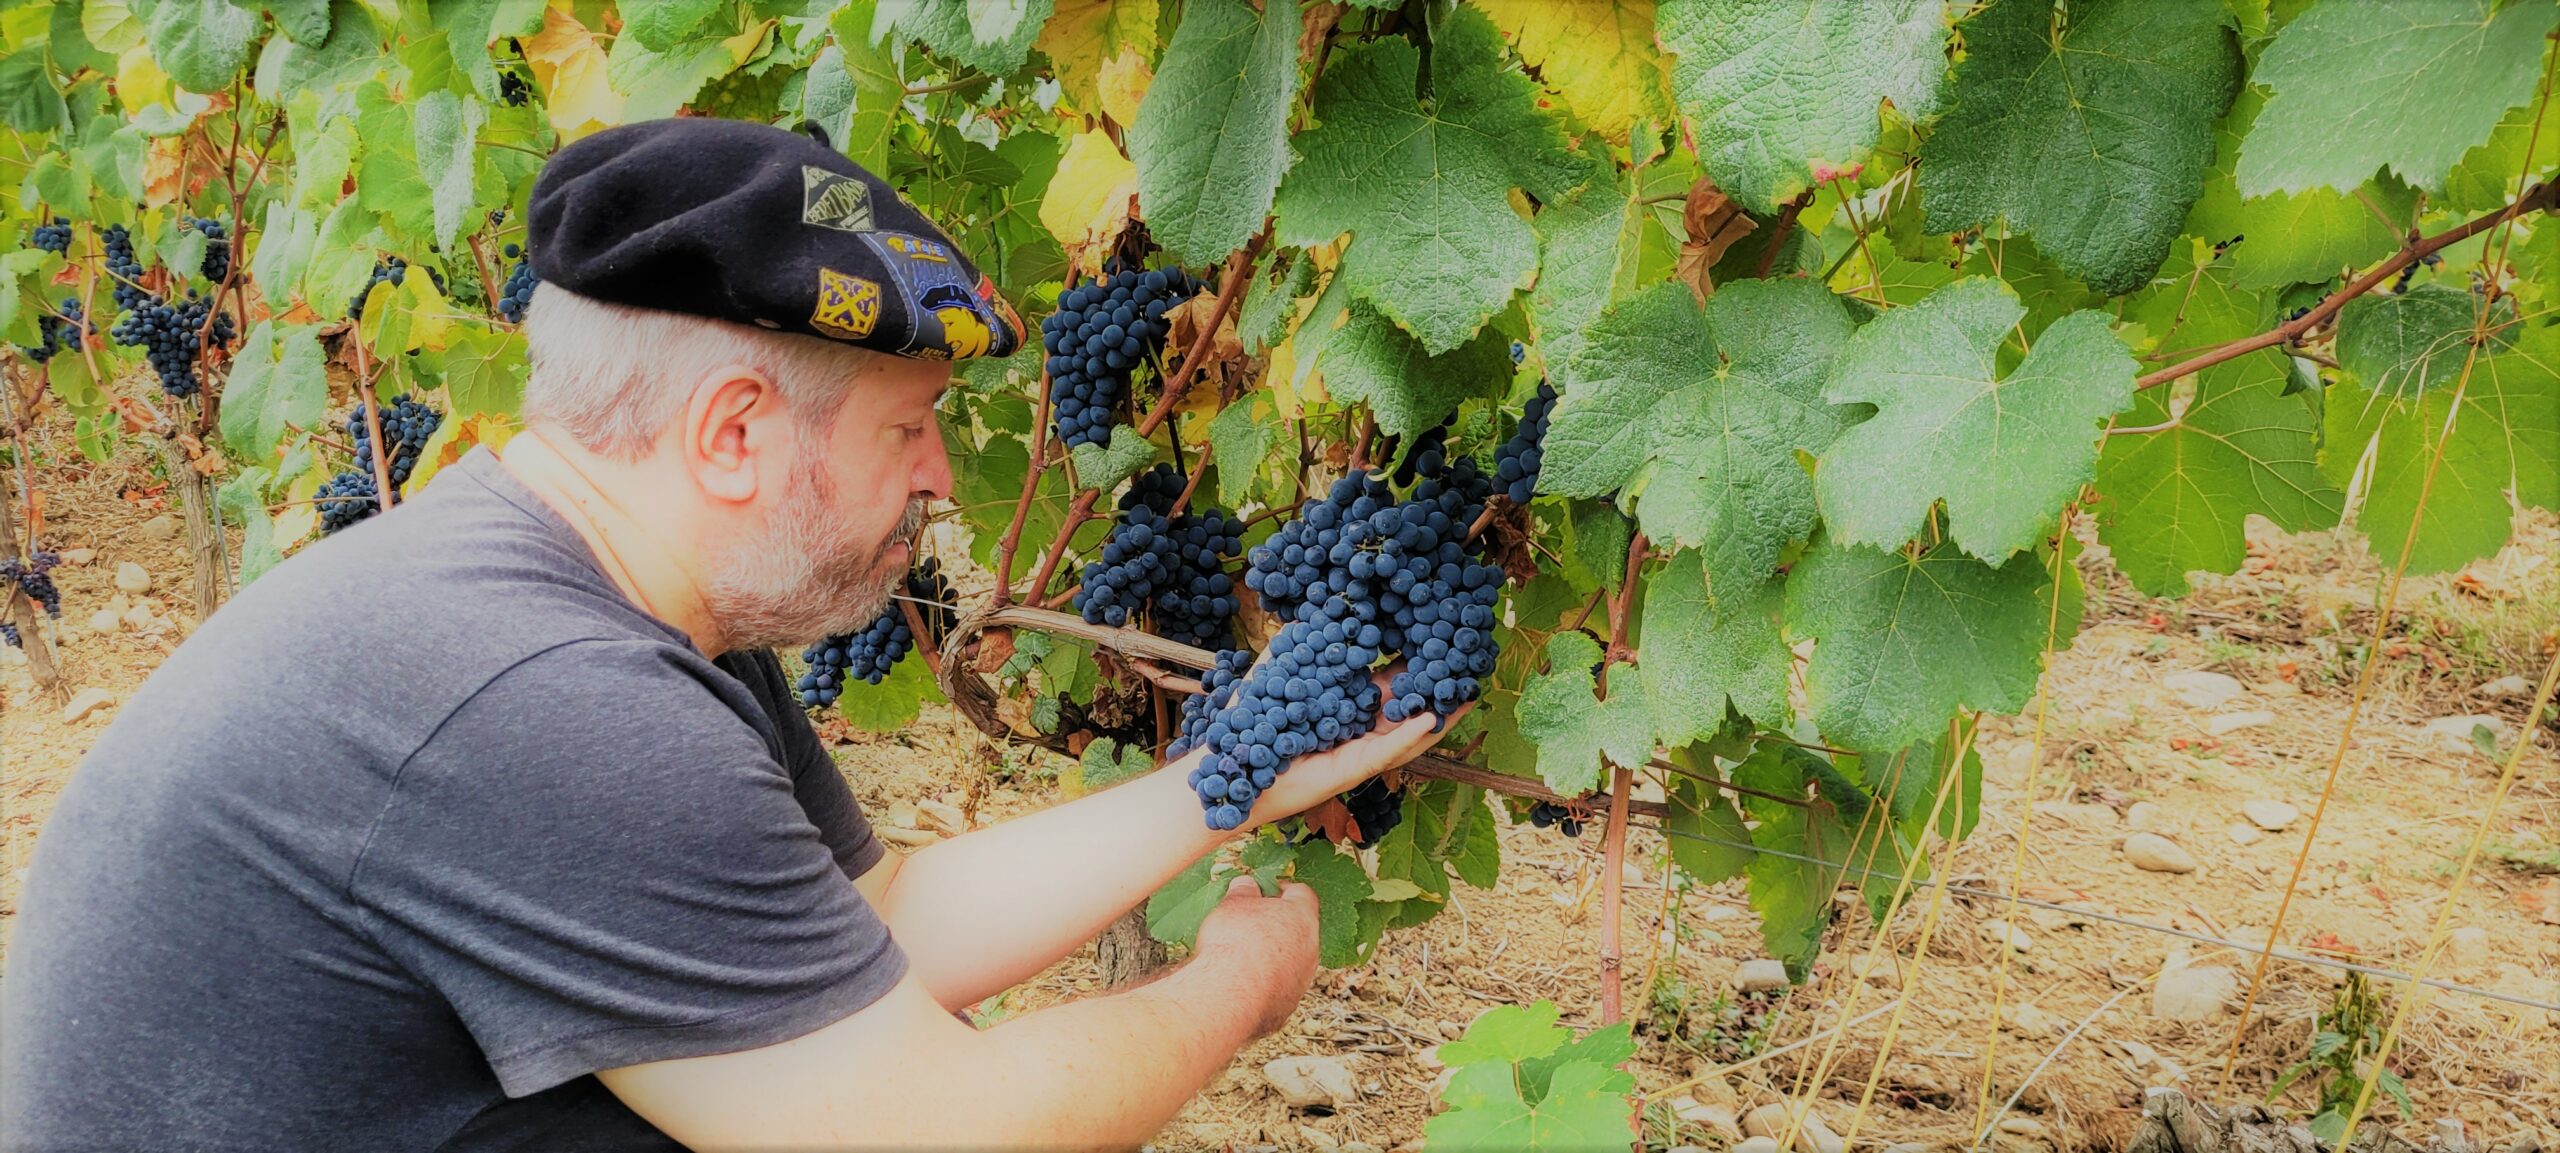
(1269, 941)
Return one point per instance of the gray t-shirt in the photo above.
(412, 838)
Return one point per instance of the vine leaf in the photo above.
(202, 44)
(994, 38)
(1778, 93)
(1088, 198)
(1902, 642)
(1599, 58)
(2003, 453)
(2409, 341)
(1239, 438)
(445, 128)
(1707, 649)
(1107, 762)
(276, 383)
(1792, 892)
(659, 24)
(1212, 137)
(2298, 237)
(1523, 1082)
(894, 703)
(2176, 501)
(1175, 910)
(1560, 712)
(571, 70)
(1698, 413)
(1104, 466)
(2089, 130)
(2408, 86)
(1595, 246)
(1364, 358)
(305, 22)
(1707, 836)
(853, 88)
(2498, 427)
(1340, 888)
(1086, 35)
(1426, 192)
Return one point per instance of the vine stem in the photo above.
(1613, 842)
(2540, 198)
(372, 421)
(1231, 286)
(924, 636)
(1778, 236)
(1034, 465)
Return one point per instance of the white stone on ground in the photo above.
(2268, 814)
(2155, 853)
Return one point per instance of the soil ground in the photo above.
(2121, 748)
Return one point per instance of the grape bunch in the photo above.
(1375, 808)
(512, 89)
(1175, 565)
(217, 249)
(124, 270)
(353, 495)
(53, 236)
(1515, 464)
(1361, 577)
(9, 634)
(517, 293)
(172, 335)
(34, 577)
(1100, 332)
(60, 332)
(393, 269)
(868, 653)
(1546, 814)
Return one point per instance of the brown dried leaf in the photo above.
(1332, 819)
(1315, 24)
(995, 647)
(1713, 223)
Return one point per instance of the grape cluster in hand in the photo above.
(1544, 814)
(34, 577)
(1375, 808)
(217, 249)
(868, 653)
(1100, 332)
(1515, 464)
(517, 294)
(172, 335)
(53, 236)
(1361, 578)
(353, 495)
(124, 270)
(1174, 564)
(60, 332)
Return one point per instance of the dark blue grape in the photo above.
(517, 294)
(65, 330)
(34, 577)
(124, 270)
(1101, 331)
(1375, 809)
(1516, 463)
(173, 336)
(53, 236)
(868, 653)
(217, 249)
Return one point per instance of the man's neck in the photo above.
(636, 553)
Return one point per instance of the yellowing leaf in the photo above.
(569, 67)
(139, 81)
(1124, 83)
(160, 170)
(1085, 38)
(1090, 199)
(111, 25)
(1598, 55)
(452, 439)
(300, 516)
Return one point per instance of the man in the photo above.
(491, 823)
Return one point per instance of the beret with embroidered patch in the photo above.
(754, 224)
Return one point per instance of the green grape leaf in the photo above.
(1426, 192)
(1366, 359)
(654, 84)
(1792, 893)
(1560, 711)
(28, 100)
(1778, 93)
(2048, 292)
(2003, 453)
(1585, 1106)
(1239, 437)
(1705, 833)
(2525, 141)
(1340, 888)
(894, 703)
(2407, 341)
(2497, 428)
(1908, 783)
(1175, 911)
(1106, 762)
(2175, 500)
(660, 24)
(1507, 1035)
(2290, 238)
(1699, 414)
(2090, 131)
(1407, 858)
(2409, 86)
(853, 89)
(447, 128)
(1594, 250)
(469, 26)
(305, 22)
(1704, 651)
(1600, 60)
(1104, 466)
(1271, 299)
(276, 383)
(992, 36)
(1901, 643)
(202, 44)
(70, 44)
(1085, 35)
(1212, 136)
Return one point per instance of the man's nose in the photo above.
(933, 474)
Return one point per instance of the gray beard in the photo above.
(801, 578)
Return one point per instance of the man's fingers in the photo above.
(1299, 893)
(1244, 883)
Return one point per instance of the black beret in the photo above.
(754, 224)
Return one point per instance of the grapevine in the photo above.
(1099, 335)
(34, 577)
(868, 654)
(53, 236)
(354, 493)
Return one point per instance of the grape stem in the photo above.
(2540, 198)
(1012, 542)
(1778, 236)
(923, 635)
(372, 421)
(1613, 843)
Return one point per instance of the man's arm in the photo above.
(1106, 1072)
(981, 913)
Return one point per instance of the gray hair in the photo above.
(612, 375)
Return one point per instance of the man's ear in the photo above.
(732, 419)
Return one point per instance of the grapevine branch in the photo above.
(1613, 843)
(2540, 198)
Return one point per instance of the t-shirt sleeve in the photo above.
(598, 862)
(814, 777)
